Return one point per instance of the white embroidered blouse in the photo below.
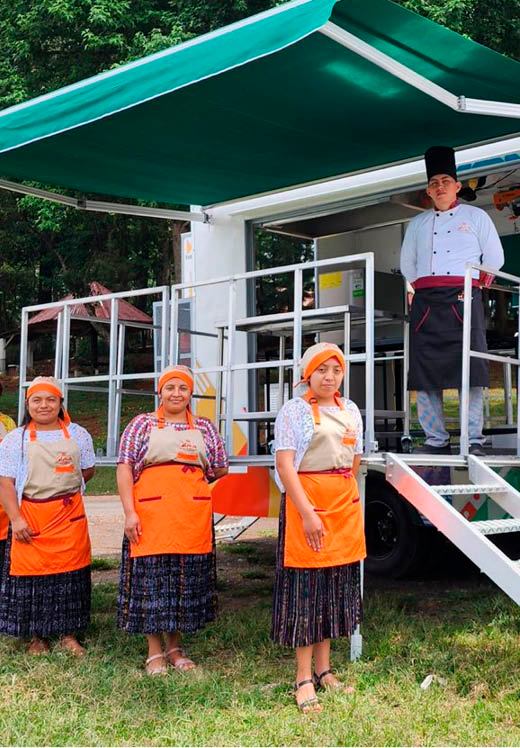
(294, 427)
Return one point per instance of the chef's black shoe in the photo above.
(427, 449)
(477, 450)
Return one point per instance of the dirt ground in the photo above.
(105, 518)
(247, 571)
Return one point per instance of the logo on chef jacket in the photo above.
(465, 228)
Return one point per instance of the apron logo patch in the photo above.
(349, 437)
(188, 446)
(460, 297)
(63, 459)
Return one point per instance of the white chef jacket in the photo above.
(442, 242)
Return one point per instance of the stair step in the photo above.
(468, 489)
(228, 530)
(496, 526)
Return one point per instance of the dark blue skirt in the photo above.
(166, 593)
(44, 606)
(311, 605)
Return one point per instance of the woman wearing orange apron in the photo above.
(6, 425)
(166, 461)
(45, 585)
(317, 597)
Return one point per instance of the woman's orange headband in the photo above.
(44, 387)
(176, 374)
(320, 359)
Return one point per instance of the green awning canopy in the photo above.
(261, 105)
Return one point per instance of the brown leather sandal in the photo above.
(337, 686)
(307, 706)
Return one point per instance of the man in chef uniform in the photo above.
(437, 245)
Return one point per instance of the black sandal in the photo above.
(308, 705)
(324, 687)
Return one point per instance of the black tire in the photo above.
(395, 544)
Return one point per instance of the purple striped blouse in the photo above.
(136, 436)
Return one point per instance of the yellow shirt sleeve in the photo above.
(7, 422)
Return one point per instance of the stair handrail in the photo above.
(468, 353)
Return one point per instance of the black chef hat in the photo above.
(440, 159)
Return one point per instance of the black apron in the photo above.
(436, 320)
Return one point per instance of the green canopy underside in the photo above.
(260, 107)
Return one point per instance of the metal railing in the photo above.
(113, 381)
(468, 354)
(228, 364)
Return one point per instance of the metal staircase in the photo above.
(470, 537)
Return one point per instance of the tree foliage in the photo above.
(48, 250)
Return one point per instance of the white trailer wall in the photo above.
(220, 251)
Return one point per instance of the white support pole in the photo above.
(229, 365)
(112, 379)
(174, 326)
(23, 363)
(466, 364)
(457, 102)
(384, 61)
(59, 345)
(65, 354)
(118, 396)
(493, 108)
(356, 640)
(370, 437)
(281, 371)
(165, 324)
(406, 362)
(508, 393)
(165, 338)
(297, 326)
(99, 206)
(3, 357)
(518, 380)
(347, 334)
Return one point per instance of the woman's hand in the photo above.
(132, 527)
(313, 530)
(21, 530)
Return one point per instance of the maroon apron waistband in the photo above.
(65, 497)
(347, 472)
(442, 281)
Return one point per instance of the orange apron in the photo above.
(332, 490)
(53, 507)
(172, 496)
(4, 519)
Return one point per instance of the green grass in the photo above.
(467, 635)
(105, 563)
(103, 483)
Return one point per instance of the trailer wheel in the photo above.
(393, 546)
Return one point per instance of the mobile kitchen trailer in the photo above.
(340, 98)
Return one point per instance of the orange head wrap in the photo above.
(316, 355)
(313, 358)
(176, 372)
(50, 385)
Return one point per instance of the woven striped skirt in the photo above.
(2, 555)
(44, 606)
(166, 593)
(311, 605)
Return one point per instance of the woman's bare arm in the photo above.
(125, 486)
(9, 500)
